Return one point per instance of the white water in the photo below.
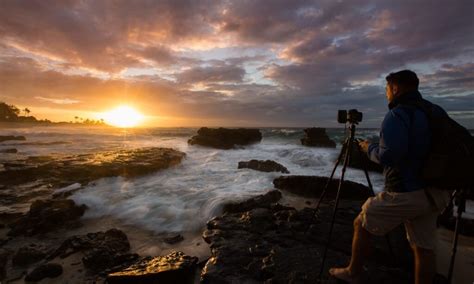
(182, 198)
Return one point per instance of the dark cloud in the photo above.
(307, 59)
(212, 74)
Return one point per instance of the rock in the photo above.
(173, 239)
(263, 166)
(49, 270)
(47, 215)
(9, 151)
(312, 186)
(224, 138)
(11, 137)
(317, 137)
(27, 255)
(280, 244)
(88, 167)
(4, 255)
(101, 250)
(175, 267)
(262, 201)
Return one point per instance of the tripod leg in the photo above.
(328, 182)
(461, 207)
(347, 157)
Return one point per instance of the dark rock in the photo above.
(261, 201)
(47, 215)
(173, 239)
(317, 137)
(282, 245)
(11, 137)
(263, 166)
(175, 267)
(28, 255)
(88, 167)
(312, 186)
(4, 255)
(101, 250)
(9, 151)
(224, 138)
(49, 270)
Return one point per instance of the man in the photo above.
(404, 142)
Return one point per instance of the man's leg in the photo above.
(360, 252)
(425, 265)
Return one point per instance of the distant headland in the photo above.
(13, 114)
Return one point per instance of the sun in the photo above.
(123, 116)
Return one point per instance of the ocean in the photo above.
(182, 198)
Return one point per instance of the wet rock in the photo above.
(4, 255)
(283, 245)
(262, 201)
(225, 138)
(11, 137)
(9, 151)
(312, 186)
(263, 166)
(317, 137)
(175, 267)
(101, 250)
(49, 270)
(47, 215)
(27, 255)
(88, 167)
(173, 239)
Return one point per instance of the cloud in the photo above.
(304, 59)
(62, 101)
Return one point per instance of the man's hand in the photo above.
(364, 146)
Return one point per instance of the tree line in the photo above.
(11, 113)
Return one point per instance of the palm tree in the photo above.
(27, 111)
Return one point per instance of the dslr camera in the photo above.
(351, 116)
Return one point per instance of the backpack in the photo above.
(450, 161)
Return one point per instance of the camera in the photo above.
(351, 116)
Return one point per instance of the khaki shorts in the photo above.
(385, 211)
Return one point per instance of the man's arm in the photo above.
(393, 145)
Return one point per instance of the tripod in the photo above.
(346, 153)
(459, 198)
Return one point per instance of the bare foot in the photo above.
(343, 274)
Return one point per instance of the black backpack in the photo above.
(450, 160)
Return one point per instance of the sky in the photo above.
(233, 63)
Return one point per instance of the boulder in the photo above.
(173, 239)
(312, 186)
(263, 166)
(9, 151)
(27, 255)
(317, 137)
(4, 256)
(225, 138)
(101, 250)
(85, 168)
(11, 137)
(279, 244)
(47, 215)
(262, 201)
(49, 270)
(175, 267)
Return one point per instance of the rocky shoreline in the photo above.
(258, 240)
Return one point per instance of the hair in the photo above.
(405, 79)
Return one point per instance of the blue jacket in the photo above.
(405, 140)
